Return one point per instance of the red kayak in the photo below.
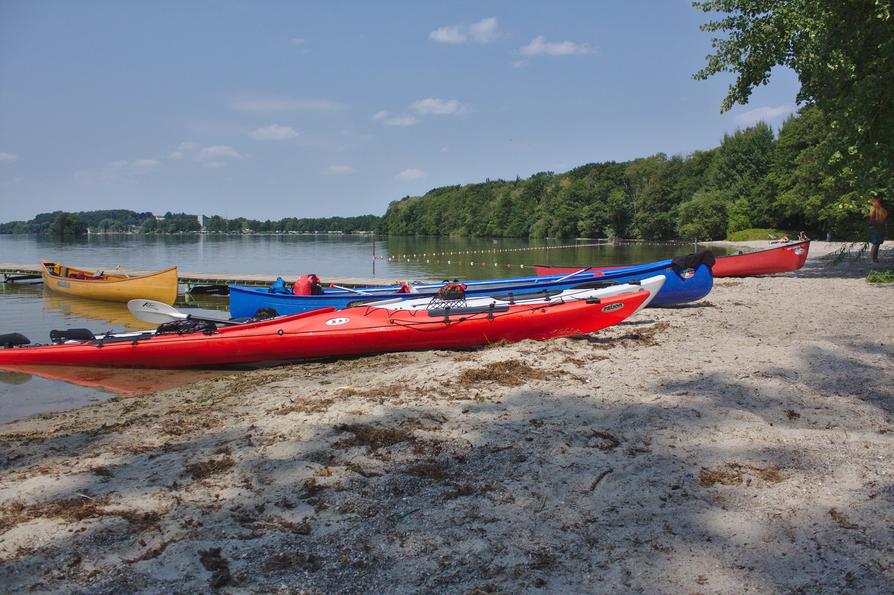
(330, 333)
(781, 259)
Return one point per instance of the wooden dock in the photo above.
(13, 273)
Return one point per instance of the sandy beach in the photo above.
(740, 444)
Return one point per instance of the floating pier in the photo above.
(14, 273)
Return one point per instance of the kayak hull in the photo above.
(160, 286)
(331, 333)
(781, 259)
(678, 288)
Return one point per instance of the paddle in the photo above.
(349, 289)
(158, 313)
(573, 274)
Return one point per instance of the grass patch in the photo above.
(880, 276)
(760, 233)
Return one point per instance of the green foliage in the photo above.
(124, 221)
(67, 226)
(759, 233)
(843, 54)
(590, 200)
(739, 169)
(880, 276)
(703, 216)
(753, 181)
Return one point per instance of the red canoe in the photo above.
(330, 333)
(781, 259)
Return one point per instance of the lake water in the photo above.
(34, 311)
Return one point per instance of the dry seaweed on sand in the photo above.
(292, 560)
(640, 337)
(379, 392)
(436, 470)
(737, 474)
(73, 510)
(510, 372)
(68, 509)
(218, 566)
(374, 437)
(841, 519)
(204, 469)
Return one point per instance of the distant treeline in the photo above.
(60, 223)
(110, 220)
(217, 224)
(752, 180)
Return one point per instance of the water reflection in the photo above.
(122, 381)
(113, 313)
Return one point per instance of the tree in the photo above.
(703, 216)
(739, 170)
(67, 226)
(843, 54)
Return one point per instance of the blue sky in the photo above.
(274, 109)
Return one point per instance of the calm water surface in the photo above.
(34, 311)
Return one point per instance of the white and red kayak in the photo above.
(330, 333)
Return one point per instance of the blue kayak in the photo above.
(681, 286)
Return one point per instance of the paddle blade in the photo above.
(154, 312)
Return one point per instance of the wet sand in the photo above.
(742, 443)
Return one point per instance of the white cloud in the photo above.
(445, 149)
(214, 156)
(182, 150)
(388, 119)
(285, 105)
(339, 170)
(539, 46)
(453, 34)
(763, 114)
(435, 106)
(410, 174)
(8, 156)
(120, 170)
(217, 156)
(141, 166)
(273, 132)
(484, 31)
(297, 41)
(519, 63)
(401, 120)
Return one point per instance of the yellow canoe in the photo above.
(160, 286)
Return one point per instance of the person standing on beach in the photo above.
(878, 216)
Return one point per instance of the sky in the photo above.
(273, 109)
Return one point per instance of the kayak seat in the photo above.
(104, 339)
(468, 310)
(13, 340)
(72, 334)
